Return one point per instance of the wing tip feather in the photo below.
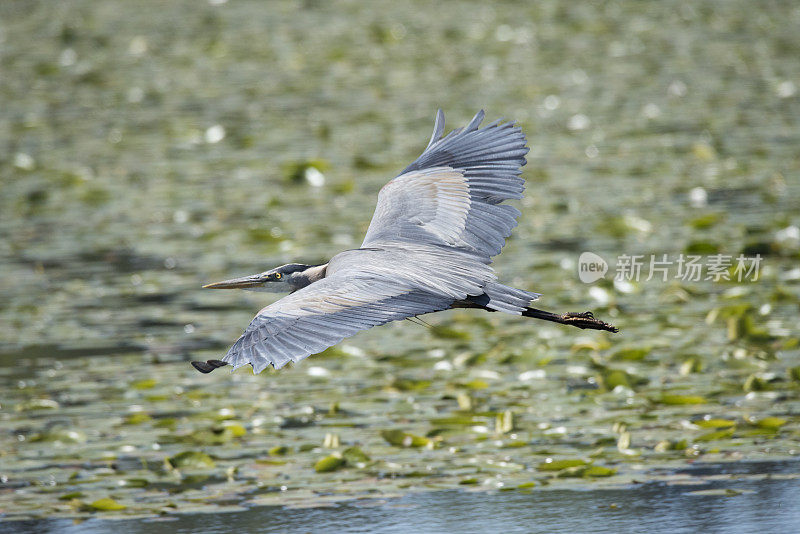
(438, 128)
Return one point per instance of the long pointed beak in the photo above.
(244, 282)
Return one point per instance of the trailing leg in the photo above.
(584, 320)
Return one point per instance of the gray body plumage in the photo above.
(428, 248)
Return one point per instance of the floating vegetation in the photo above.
(587, 471)
(678, 400)
(715, 423)
(310, 171)
(398, 438)
(280, 450)
(446, 332)
(106, 504)
(191, 460)
(134, 172)
(558, 465)
(355, 457)
(329, 463)
(770, 423)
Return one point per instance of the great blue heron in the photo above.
(428, 248)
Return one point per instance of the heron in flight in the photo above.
(428, 248)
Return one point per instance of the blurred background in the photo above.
(148, 148)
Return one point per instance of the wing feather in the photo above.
(324, 313)
(452, 194)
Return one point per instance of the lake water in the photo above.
(739, 505)
(147, 149)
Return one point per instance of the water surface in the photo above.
(148, 148)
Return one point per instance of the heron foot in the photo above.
(208, 365)
(586, 320)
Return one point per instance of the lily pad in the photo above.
(71, 496)
(354, 456)
(406, 384)
(715, 423)
(233, 428)
(399, 438)
(279, 450)
(558, 465)
(677, 400)
(329, 463)
(771, 423)
(587, 471)
(631, 354)
(148, 383)
(611, 378)
(137, 418)
(715, 435)
(191, 460)
(475, 384)
(446, 332)
(106, 504)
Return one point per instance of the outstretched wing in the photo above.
(322, 314)
(452, 194)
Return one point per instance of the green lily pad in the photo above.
(706, 221)
(715, 423)
(475, 384)
(558, 465)
(135, 482)
(794, 373)
(455, 420)
(398, 438)
(106, 504)
(715, 435)
(137, 418)
(170, 423)
(676, 400)
(329, 463)
(599, 471)
(405, 384)
(149, 383)
(586, 471)
(233, 428)
(354, 456)
(191, 460)
(445, 332)
(771, 423)
(702, 247)
(71, 496)
(755, 383)
(631, 354)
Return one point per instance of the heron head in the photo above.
(289, 277)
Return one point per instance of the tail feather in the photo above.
(507, 299)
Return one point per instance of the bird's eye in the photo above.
(278, 276)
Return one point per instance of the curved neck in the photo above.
(308, 276)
